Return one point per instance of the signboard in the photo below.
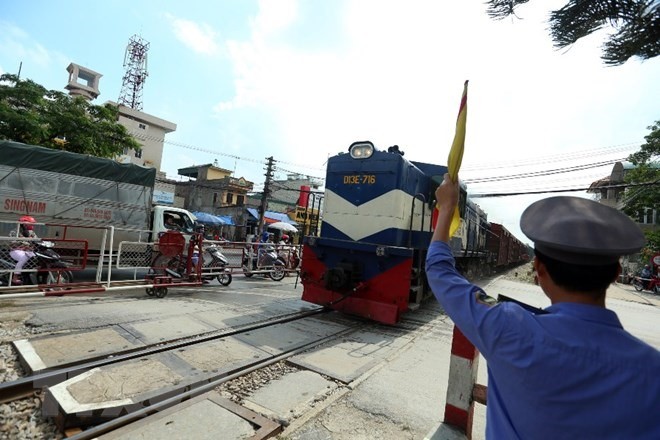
(656, 260)
(306, 216)
(163, 197)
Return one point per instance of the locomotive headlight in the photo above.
(361, 150)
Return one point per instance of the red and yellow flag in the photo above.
(456, 156)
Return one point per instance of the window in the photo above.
(647, 216)
(215, 198)
(230, 198)
(138, 153)
(142, 126)
(240, 200)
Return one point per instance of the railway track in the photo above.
(26, 386)
(119, 422)
(11, 391)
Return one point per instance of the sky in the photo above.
(300, 80)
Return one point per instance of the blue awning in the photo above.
(227, 219)
(276, 216)
(208, 219)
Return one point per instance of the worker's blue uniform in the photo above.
(571, 373)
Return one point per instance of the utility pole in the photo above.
(264, 196)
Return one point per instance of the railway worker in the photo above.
(21, 250)
(571, 370)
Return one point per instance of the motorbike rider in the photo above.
(646, 275)
(265, 238)
(21, 250)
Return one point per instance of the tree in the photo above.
(33, 115)
(646, 174)
(637, 25)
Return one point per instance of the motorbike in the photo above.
(652, 284)
(266, 259)
(289, 256)
(50, 269)
(213, 265)
(216, 263)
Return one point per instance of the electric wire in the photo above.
(555, 190)
(471, 181)
(524, 162)
(563, 157)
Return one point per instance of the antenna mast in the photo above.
(135, 63)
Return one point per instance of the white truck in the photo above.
(80, 197)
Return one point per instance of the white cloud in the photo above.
(17, 44)
(274, 15)
(200, 37)
(395, 77)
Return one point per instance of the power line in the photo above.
(474, 181)
(519, 193)
(541, 173)
(525, 162)
(563, 157)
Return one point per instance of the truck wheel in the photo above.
(161, 292)
(150, 291)
(224, 279)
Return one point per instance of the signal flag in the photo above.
(456, 157)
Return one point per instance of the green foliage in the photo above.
(33, 115)
(652, 246)
(644, 179)
(636, 25)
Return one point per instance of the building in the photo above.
(213, 190)
(611, 189)
(296, 199)
(147, 129)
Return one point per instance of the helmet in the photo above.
(27, 219)
(285, 237)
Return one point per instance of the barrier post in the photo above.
(462, 391)
(463, 366)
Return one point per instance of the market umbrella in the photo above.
(208, 219)
(283, 226)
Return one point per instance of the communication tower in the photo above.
(135, 63)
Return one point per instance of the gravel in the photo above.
(523, 274)
(20, 419)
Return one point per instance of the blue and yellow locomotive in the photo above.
(377, 223)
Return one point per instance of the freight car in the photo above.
(377, 223)
(504, 248)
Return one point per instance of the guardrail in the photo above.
(108, 250)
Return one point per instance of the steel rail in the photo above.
(26, 386)
(124, 420)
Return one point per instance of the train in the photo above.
(368, 258)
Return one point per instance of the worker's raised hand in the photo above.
(446, 194)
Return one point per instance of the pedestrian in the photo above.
(569, 371)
